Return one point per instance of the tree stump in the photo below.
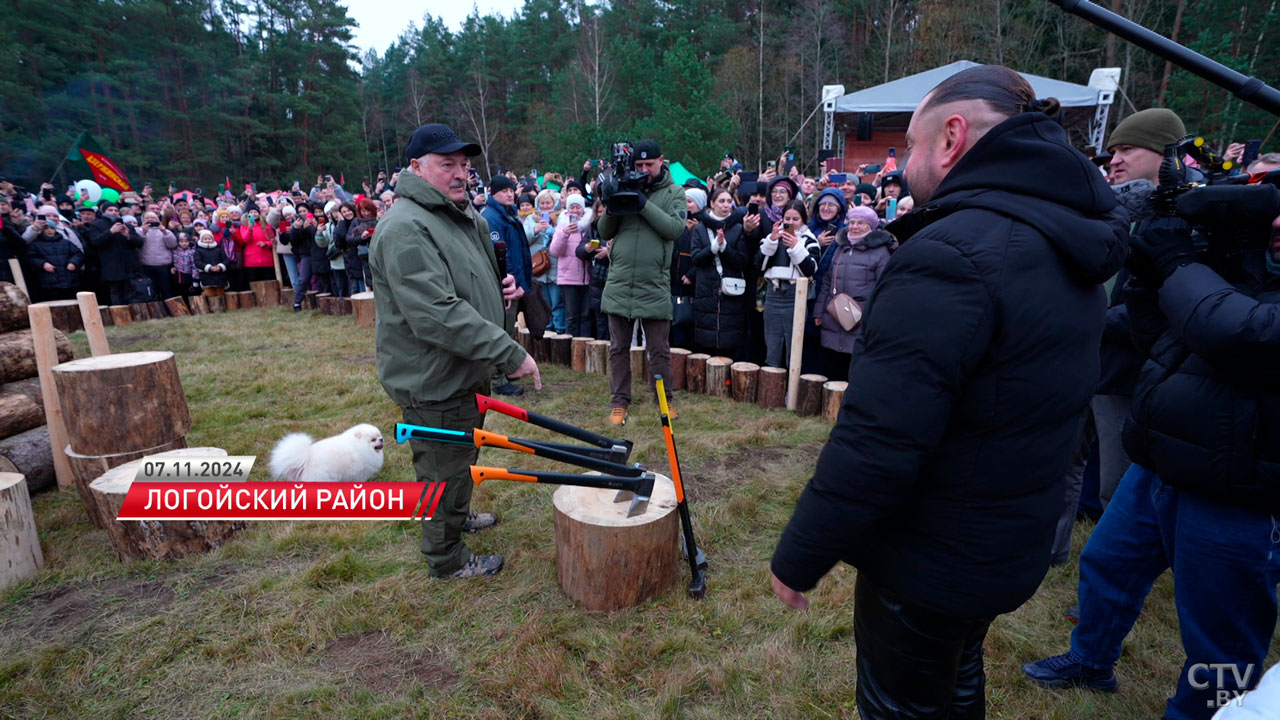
(309, 301)
(18, 354)
(105, 312)
(199, 305)
(155, 539)
(21, 407)
(139, 312)
(746, 381)
(695, 372)
(13, 308)
(266, 292)
(137, 396)
(232, 300)
(809, 397)
(608, 561)
(598, 357)
(832, 398)
(31, 454)
(679, 359)
(120, 315)
(20, 556)
(640, 366)
(177, 306)
(561, 349)
(65, 315)
(158, 310)
(522, 337)
(216, 303)
(718, 377)
(87, 468)
(578, 353)
(344, 305)
(324, 303)
(541, 347)
(364, 309)
(245, 299)
(773, 388)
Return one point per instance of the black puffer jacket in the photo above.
(207, 256)
(58, 252)
(944, 475)
(1206, 407)
(117, 253)
(719, 320)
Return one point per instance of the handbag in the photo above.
(843, 308)
(681, 310)
(729, 285)
(537, 312)
(541, 262)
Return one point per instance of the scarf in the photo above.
(774, 214)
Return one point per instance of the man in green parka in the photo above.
(440, 331)
(639, 284)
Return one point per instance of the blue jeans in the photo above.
(1226, 564)
(555, 299)
(291, 267)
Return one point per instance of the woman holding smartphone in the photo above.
(789, 251)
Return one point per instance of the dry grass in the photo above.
(339, 620)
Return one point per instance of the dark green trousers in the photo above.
(449, 463)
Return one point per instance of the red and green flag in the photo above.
(101, 168)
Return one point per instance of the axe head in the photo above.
(639, 497)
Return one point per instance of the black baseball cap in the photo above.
(648, 149)
(438, 139)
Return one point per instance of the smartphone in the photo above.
(773, 165)
(749, 176)
(594, 243)
(546, 217)
(791, 161)
(857, 199)
(871, 169)
(753, 208)
(835, 164)
(893, 152)
(831, 227)
(891, 211)
(595, 163)
(1252, 149)
(839, 178)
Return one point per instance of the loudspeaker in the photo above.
(866, 126)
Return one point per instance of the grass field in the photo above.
(339, 620)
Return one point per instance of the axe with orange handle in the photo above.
(640, 487)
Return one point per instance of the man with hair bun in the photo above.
(944, 475)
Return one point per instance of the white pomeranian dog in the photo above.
(353, 456)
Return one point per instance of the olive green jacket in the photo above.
(639, 284)
(440, 309)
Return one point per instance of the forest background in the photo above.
(274, 91)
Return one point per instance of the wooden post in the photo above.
(19, 281)
(773, 388)
(832, 398)
(695, 372)
(364, 309)
(216, 303)
(199, 305)
(598, 357)
(120, 315)
(797, 340)
(679, 358)
(809, 396)
(46, 347)
(275, 263)
(153, 410)
(718, 378)
(746, 378)
(608, 561)
(20, 556)
(267, 292)
(91, 316)
(177, 306)
(578, 353)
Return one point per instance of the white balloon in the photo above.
(93, 189)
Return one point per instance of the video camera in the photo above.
(620, 184)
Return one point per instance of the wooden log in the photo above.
(746, 381)
(105, 311)
(578, 353)
(542, 348)
(344, 305)
(286, 297)
(216, 303)
(13, 308)
(199, 305)
(31, 454)
(364, 309)
(93, 318)
(797, 340)
(608, 561)
(137, 395)
(522, 337)
(561, 351)
(18, 355)
(47, 356)
(20, 408)
(120, 315)
(832, 398)
(695, 372)
(19, 281)
(232, 300)
(309, 301)
(266, 292)
(65, 315)
(139, 312)
(679, 358)
(87, 468)
(718, 377)
(328, 304)
(177, 306)
(598, 357)
(155, 539)
(158, 310)
(809, 396)
(246, 299)
(20, 556)
(640, 366)
(773, 388)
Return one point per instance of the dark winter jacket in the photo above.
(1206, 407)
(355, 235)
(506, 227)
(682, 259)
(57, 251)
(818, 227)
(117, 253)
(944, 475)
(853, 269)
(11, 247)
(598, 268)
(303, 241)
(207, 256)
(719, 320)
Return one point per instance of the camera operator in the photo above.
(639, 285)
(116, 245)
(1203, 495)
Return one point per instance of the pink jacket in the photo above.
(247, 240)
(571, 270)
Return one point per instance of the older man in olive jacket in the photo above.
(639, 285)
(440, 331)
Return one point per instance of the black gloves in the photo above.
(1163, 247)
